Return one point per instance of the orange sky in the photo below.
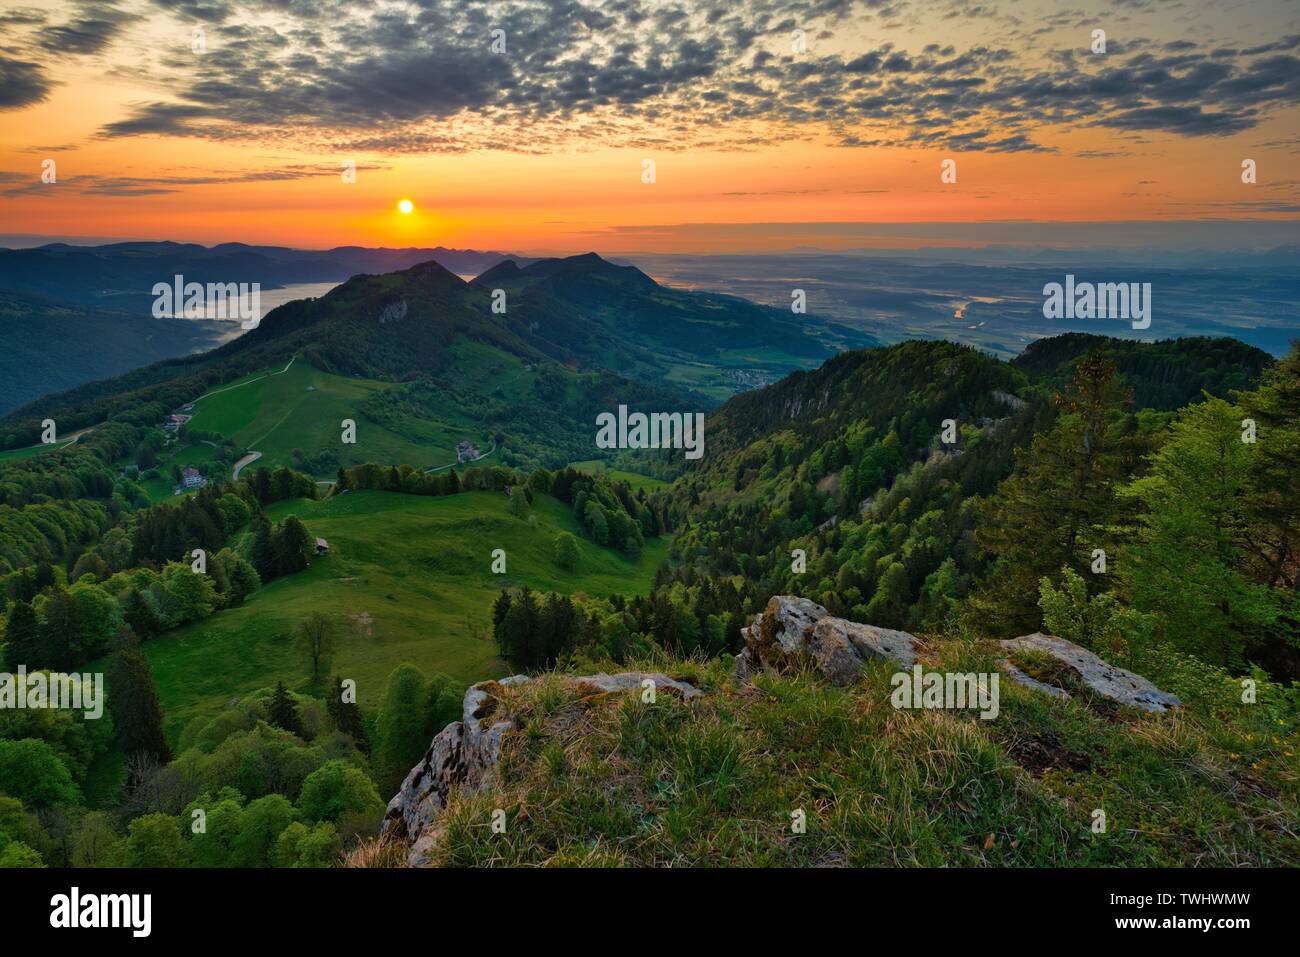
(575, 181)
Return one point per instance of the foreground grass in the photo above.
(408, 579)
(612, 781)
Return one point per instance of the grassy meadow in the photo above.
(408, 579)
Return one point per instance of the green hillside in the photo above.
(302, 408)
(408, 579)
(419, 359)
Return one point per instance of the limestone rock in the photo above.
(627, 680)
(1019, 677)
(787, 621)
(790, 626)
(464, 755)
(868, 641)
(1103, 678)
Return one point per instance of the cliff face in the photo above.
(600, 750)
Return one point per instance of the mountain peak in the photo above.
(581, 266)
(431, 271)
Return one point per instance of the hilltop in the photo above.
(804, 765)
(620, 318)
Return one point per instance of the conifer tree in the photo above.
(1272, 494)
(1060, 502)
(346, 715)
(282, 711)
(22, 637)
(60, 632)
(133, 701)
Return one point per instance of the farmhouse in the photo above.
(192, 478)
(322, 547)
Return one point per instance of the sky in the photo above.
(527, 126)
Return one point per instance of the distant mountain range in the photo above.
(122, 275)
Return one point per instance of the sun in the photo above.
(406, 207)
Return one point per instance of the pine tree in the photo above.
(137, 713)
(1186, 564)
(282, 711)
(521, 630)
(1272, 494)
(1060, 502)
(346, 715)
(500, 608)
(664, 622)
(263, 550)
(548, 638)
(60, 633)
(22, 637)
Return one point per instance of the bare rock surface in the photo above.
(464, 755)
(1104, 679)
(790, 627)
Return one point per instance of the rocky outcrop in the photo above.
(791, 628)
(464, 755)
(1098, 675)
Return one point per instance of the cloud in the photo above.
(21, 83)
(90, 32)
(663, 74)
(124, 186)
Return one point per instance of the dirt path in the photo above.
(249, 382)
(58, 443)
(251, 457)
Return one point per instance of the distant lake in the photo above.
(270, 299)
(300, 290)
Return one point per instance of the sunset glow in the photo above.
(251, 137)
